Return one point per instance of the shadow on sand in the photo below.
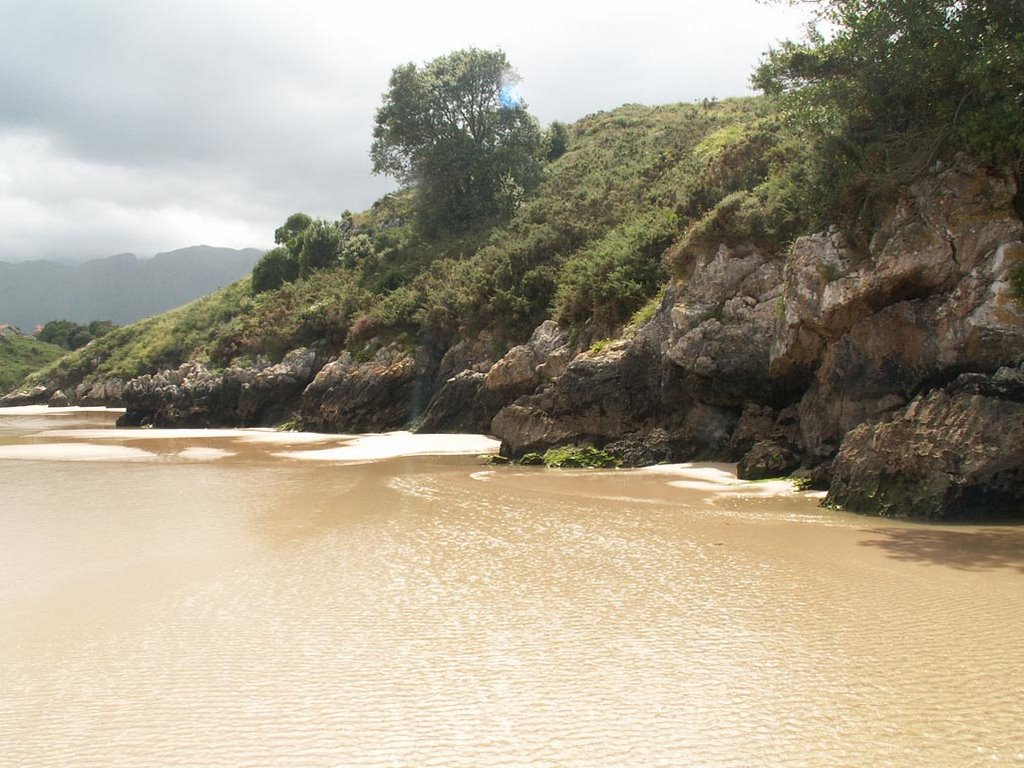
(975, 550)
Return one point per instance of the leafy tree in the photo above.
(556, 140)
(293, 226)
(320, 246)
(457, 131)
(100, 328)
(896, 74)
(66, 334)
(275, 268)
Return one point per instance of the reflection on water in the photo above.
(232, 608)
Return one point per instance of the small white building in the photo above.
(9, 330)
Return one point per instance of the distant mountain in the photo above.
(121, 288)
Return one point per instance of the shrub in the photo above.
(275, 268)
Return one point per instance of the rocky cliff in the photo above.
(891, 372)
(865, 354)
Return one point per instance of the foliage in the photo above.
(556, 140)
(70, 335)
(455, 130)
(275, 268)
(897, 83)
(21, 355)
(319, 246)
(161, 341)
(293, 226)
(613, 277)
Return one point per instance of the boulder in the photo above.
(955, 453)
(58, 400)
(765, 459)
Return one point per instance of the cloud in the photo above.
(149, 125)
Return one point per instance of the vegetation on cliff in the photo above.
(20, 355)
(501, 225)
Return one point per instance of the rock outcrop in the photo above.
(35, 396)
(777, 362)
(954, 453)
(193, 396)
(873, 369)
(387, 392)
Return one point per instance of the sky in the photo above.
(146, 125)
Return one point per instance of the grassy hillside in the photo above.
(623, 198)
(20, 355)
(586, 248)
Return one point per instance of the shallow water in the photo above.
(209, 600)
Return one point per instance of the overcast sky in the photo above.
(148, 125)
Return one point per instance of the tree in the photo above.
(931, 73)
(293, 226)
(68, 334)
(275, 268)
(457, 131)
(320, 246)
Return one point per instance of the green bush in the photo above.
(275, 268)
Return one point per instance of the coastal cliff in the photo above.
(890, 373)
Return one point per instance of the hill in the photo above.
(120, 288)
(20, 355)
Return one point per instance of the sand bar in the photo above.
(74, 452)
(390, 445)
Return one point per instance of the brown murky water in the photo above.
(200, 601)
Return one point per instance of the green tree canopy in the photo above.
(456, 130)
(71, 335)
(932, 73)
(275, 267)
(320, 246)
(293, 226)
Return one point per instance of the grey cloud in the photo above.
(232, 114)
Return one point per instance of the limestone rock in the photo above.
(954, 453)
(375, 396)
(526, 367)
(35, 396)
(723, 323)
(456, 408)
(193, 396)
(58, 400)
(765, 459)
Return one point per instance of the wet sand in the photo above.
(219, 603)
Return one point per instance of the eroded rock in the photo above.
(954, 453)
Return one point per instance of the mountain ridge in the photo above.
(121, 287)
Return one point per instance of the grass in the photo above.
(20, 356)
(589, 248)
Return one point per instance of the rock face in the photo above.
(954, 453)
(193, 396)
(35, 396)
(886, 372)
(382, 394)
(777, 362)
(468, 401)
(930, 299)
(688, 373)
(457, 407)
